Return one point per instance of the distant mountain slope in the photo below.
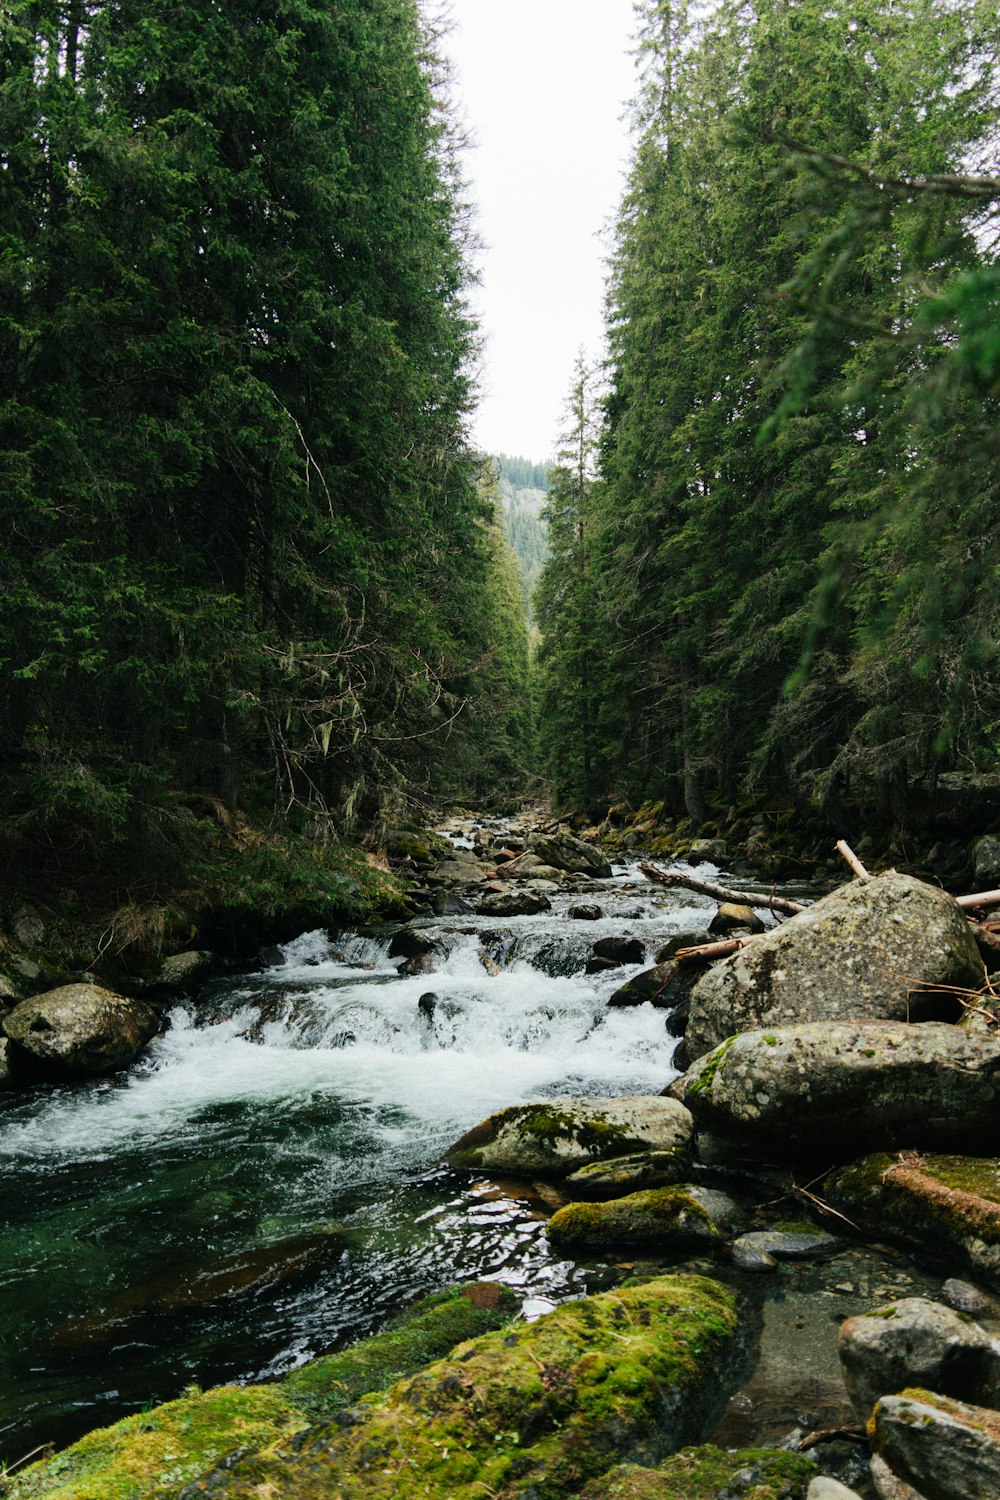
(523, 486)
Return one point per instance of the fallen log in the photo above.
(719, 892)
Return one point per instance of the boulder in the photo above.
(182, 970)
(694, 937)
(586, 911)
(557, 1137)
(666, 986)
(6, 1072)
(945, 1449)
(944, 1205)
(412, 942)
(986, 861)
(713, 851)
(662, 1219)
(836, 1088)
(27, 927)
(859, 954)
(707, 1473)
(732, 916)
(80, 1028)
(568, 853)
(966, 1298)
(539, 1409)
(888, 1486)
(917, 1342)
(620, 950)
(601, 1180)
(825, 1488)
(462, 868)
(787, 1244)
(514, 904)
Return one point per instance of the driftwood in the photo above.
(719, 892)
(715, 950)
(844, 848)
(984, 898)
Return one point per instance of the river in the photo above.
(304, 1107)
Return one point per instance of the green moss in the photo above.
(424, 1333)
(656, 1217)
(545, 1126)
(543, 1408)
(161, 1449)
(703, 1083)
(702, 1473)
(771, 1041)
(794, 1226)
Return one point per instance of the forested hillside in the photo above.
(782, 576)
(522, 492)
(249, 560)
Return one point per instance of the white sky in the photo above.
(541, 85)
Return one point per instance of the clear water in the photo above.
(312, 1100)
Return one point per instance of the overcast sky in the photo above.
(541, 85)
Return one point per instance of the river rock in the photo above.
(834, 1088)
(986, 861)
(586, 911)
(6, 1072)
(732, 916)
(825, 1488)
(888, 1486)
(412, 942)
(27, 927)
(917, 1342)
(946, 1449)
(665, 1219)
(600, 1180)
(860, 953)
(620, 950)
(945, 1205)
(568, 853)
(712, 851)
(707, 1474)
(558, 1136)
(182, 970)
(80, 1028)
(694, 937)
(462, 868)
(536, 1410)
(514, 904)
(786, 1244)
(665, 986)
(966, 1298)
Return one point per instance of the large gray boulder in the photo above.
(568, 853)
(559, 1136)
(917, 1342)
(946, 1449)
(80, 1028)
(860, 954)
(841, 1088)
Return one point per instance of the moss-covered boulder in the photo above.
(667, 1219)
(80, 1028)
(946, 1205)
(917, 1342)
(565, 852)
(706, 1473)
(945, 1449)
(861, 953)
(833, 1088)
(424, 1332)
(158, 1451)
(601, 1180)
(559, 1136)
(630, 1376)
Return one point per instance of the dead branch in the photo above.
(715, 950)
(844, 848)
(984, 898)
(720, 892)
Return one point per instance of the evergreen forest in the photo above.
(774, 519)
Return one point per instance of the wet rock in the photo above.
(558, 1136)
(946, 1449)
(568, 853)
(80, 1028)
(750, 1257)
(601, 1180)
(860, 953)
(180, 971)
(420, 963)
(27, 927)
(666, 986)
(600, 965)
(8, 991)
(6, 1071)
(888, 1486)
(825, 1488)
(836, 1088)
(966, 1298)
(665, 1219)
(734, 917)
(786, 1244)
(708, 1474)
(586, 911)
(712, 851)
(917, 1342)
(538, 1409)
(986, 861)
(514, 904)
(695, 938)
(945, 1205)
(411, 942)
(620, 950)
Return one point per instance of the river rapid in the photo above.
(293, 1121)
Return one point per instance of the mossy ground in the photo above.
(631, 1374)
(704, 1473)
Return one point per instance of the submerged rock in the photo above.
(558, 1136)
(666, 1219)
(80, 1028)
(628, 1375)
(948, 1205)
(708, 1473)
(917, 1342)
(861, 953)
(787, 1244)
(946, 1449)
(836, 1088)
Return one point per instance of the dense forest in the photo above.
(251, 560)
(774, 523)
(522, 491)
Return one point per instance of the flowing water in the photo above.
(279, 1148)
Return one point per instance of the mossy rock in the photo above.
(423, 1333)
(601, 1180)
(666, 1219)
(557, 1137)
(160, 1450)
(701, 1473)
(630, 1376)
(948, 1205)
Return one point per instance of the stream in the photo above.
(279, 1148)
